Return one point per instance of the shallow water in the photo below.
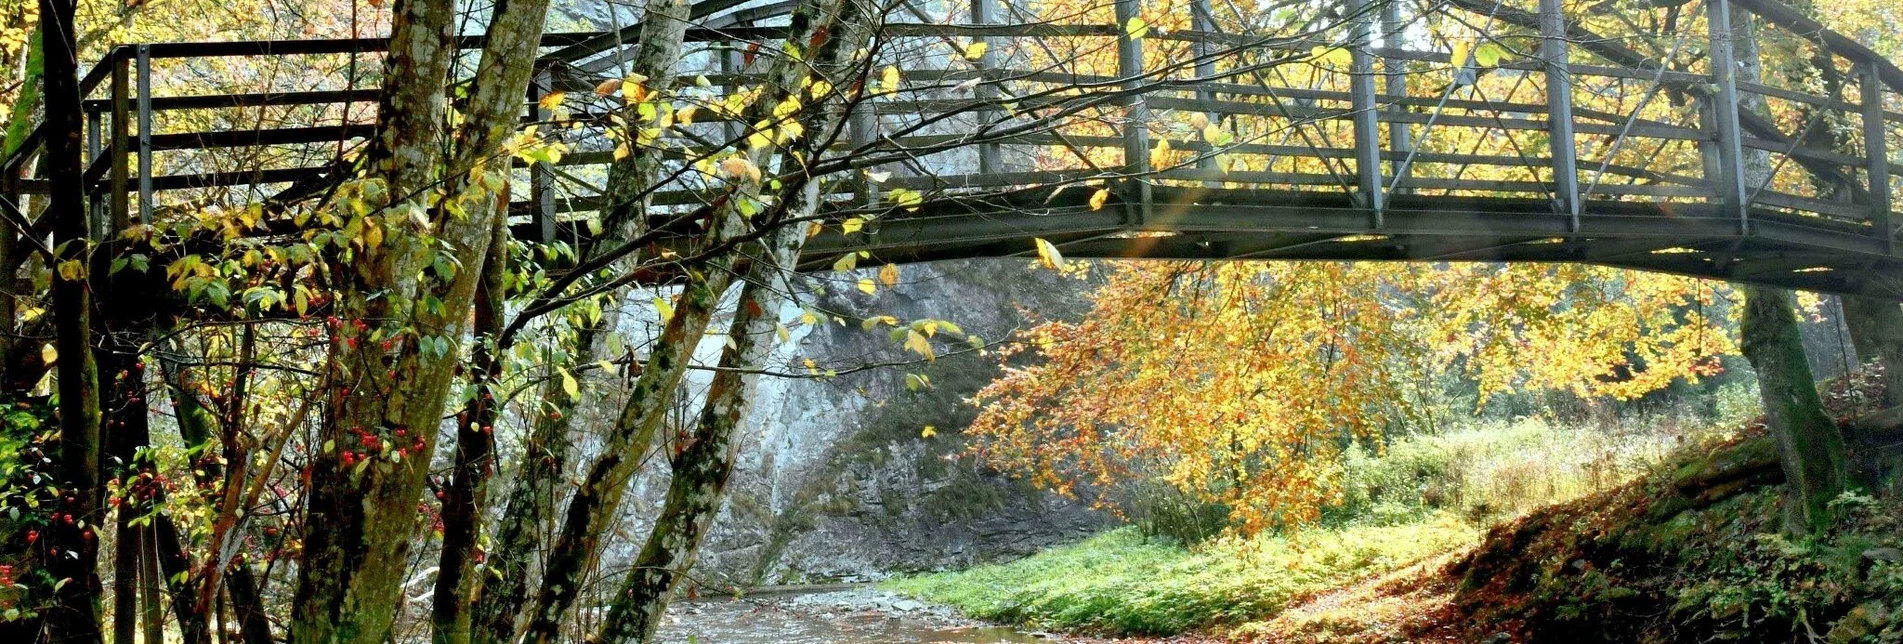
(858, 617)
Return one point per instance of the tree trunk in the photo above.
(545, 456)
(700, 472)
(72, 547)
(702, 468)
(1810, 445)
(463, 498)
(394, 351)
(595, 503)
(1876, 329)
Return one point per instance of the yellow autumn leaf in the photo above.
(552, 100)
(889, 275)
(1461, 49)
(1098, 198)
(916, 343)
(928, 432)
(889, 80)
(866, 286)
(1047, 254)
(852, 225)
(976, 50)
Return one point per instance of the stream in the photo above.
(859, 616)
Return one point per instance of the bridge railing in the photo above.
(1546, 104)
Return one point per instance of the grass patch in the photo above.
(1419, 497)
(1123, 583)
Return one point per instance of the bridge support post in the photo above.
(119, 180)
(1202, 19)
(143, 56)
(1136, 133)
(542, 177)
(1876, 153)
(990, 155)
(1559, 110)
(1724, 71)
(1367, 115)
(1400, 138)
(95, 207)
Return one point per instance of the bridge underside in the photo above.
(1193, 223)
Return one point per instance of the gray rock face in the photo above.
(835, 479)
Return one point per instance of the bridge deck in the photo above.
(1564, 134)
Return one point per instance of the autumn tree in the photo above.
(1241, 383)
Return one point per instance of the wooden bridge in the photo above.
(1628, 133)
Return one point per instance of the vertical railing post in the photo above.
(1203, 20)
(95, 209)
(542, 177)
(1876, 152)
(862, 131)
(118, 184)
(1136, 132)
(1724, 77)
(1367, 124)
(990, 155)
(1559, 110)
(144, 56)
(1400, 138)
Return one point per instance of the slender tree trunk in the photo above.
(72, 547)
(545, 456)
(1811, 446)
(456, 581)
(1876, 329)
(701, 470)
(11, 256)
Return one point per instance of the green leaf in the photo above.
(1490, 54)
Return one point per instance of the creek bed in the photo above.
(857, 616)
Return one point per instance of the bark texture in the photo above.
(71, 552)
(701, 469)
(394, 354)
(1810, 445)
(545, 458)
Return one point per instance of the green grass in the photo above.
(1421, 496)
(1122, 583)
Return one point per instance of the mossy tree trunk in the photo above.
(1810, 446)
(544, 465)
(394, 352)
(596, 501)
(701, 469)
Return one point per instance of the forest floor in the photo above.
(1690, 548)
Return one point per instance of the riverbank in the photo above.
(1691, 548)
